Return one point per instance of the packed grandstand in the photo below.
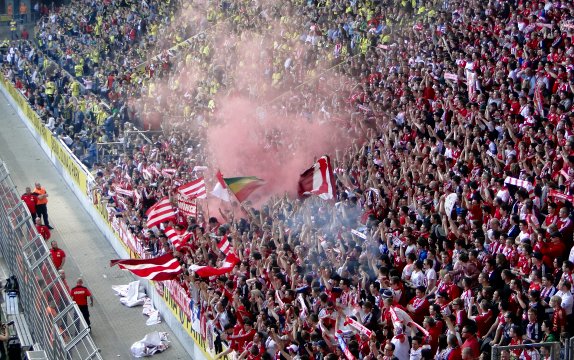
(449, 129)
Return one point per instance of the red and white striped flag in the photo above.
(318, 180)
(178, 239)
(147, 174)
(225, 246)
(194, 190)
(124, 192)
(206, 271)
(160, 212)
(161, 268)
(520, 183)
(168, 172)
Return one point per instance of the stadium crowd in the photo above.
(442, 97)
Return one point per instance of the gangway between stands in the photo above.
(42, 311)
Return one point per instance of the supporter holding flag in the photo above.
(195, 189)
(318, 180)
(160, 268)
(243, 187)
(160, 212)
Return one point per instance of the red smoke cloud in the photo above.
(276, 149)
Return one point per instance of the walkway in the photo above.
(114, 327)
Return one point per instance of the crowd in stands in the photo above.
(442, 98)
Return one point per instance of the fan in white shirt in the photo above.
(417, 348)
(566, 295)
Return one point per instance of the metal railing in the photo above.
(55, 321)
(515, 351)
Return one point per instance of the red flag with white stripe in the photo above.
(318, 180)
(178, 239)
(225, 246)
(207, 271)
(160, 212)
(161, 268)
(194, 190)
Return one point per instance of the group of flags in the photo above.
(318, 180)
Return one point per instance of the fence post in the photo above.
(494, 354)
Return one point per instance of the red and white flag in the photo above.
(161, 268)
(124, 192)
(168, 172)
(160, 212)
(194, 190)
(220, 190)
(318, 180)
(225, 246)
(206, 271)
(186, 206)
(178, 239)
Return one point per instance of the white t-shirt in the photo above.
(418, 278)
(402, 348)
(567, 301)
(431, 276)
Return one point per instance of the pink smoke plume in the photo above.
(277, 149)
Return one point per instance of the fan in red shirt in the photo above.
(418, 307)
(468, 333)
(80, 295)
(484, 319)
(559, 317)
(42, 229)
(30, 199)
(58, 256)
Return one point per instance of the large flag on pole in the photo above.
(243, 186)
(194, 190)
(220, 190)
(161, 268)
(206, 271)
(318, 180)
(160, 212)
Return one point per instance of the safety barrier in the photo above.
(550, 350)
(170, 298)
(54, 320)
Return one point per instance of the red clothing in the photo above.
(455, 354)
(432, 339)
(484, 322)
(30, 200)
(58, 256)
(44, 231)
(559, 320)
(421, 307)
(472, 343)
(80, 295)
(242, 338)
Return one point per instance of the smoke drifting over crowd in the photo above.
(257, 127)
(275, 148)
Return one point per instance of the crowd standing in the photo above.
(441, 97)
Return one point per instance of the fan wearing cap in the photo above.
(442, 301)
(402, 346)
(290, 351)
(555, 248)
